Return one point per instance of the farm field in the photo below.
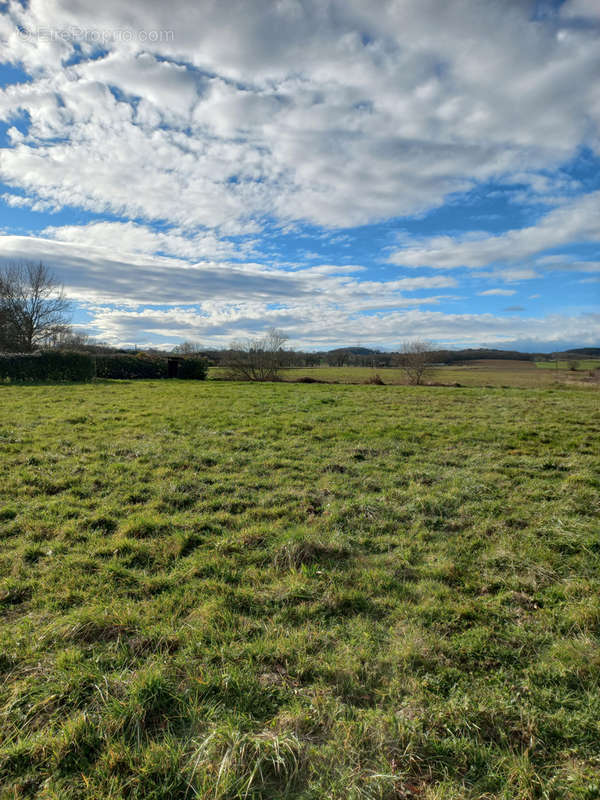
(485, 373)
(221, 590)
(582, 363)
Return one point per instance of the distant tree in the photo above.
(33, 307)
(258, 359)
(415, 359)
(572, 363)
(69, 340)
(187, 348)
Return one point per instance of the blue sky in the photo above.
(345, 171)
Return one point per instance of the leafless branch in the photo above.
(415, 359)
(257, 359)
(33, 307)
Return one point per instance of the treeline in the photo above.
(338, 357)
(365, 357)
(63, 365)
(579, 352)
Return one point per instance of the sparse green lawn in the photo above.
(278, 591)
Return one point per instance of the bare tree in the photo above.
(33, 307)
(8, 334)
(187, 348)
(257, 359)
(71, 340)
(415, 360)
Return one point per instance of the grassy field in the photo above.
(581, 363)
(485, 373)
(315, 592)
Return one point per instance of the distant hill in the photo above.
(354, 351)
(355, 354)
(477, 354)
(441, 355)
(583, 352)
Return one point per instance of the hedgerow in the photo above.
(126, 366)
(53, 365)
(192, 369)
(47, 366)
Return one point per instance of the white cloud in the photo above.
(129, 237)
(508, 275)
(121, 326)
(170, 88)
(581, 8)
(575, 221)
(505, 292)
(318, 111)
(112, 262)
(568, 264)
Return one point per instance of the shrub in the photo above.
(126, 366)
(192, 369)
(47, 366)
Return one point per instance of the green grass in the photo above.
(276, 591)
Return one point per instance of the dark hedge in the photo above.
(192, 369)
(128, 367)
(56, 365)
(144, 366)
(47, 366)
